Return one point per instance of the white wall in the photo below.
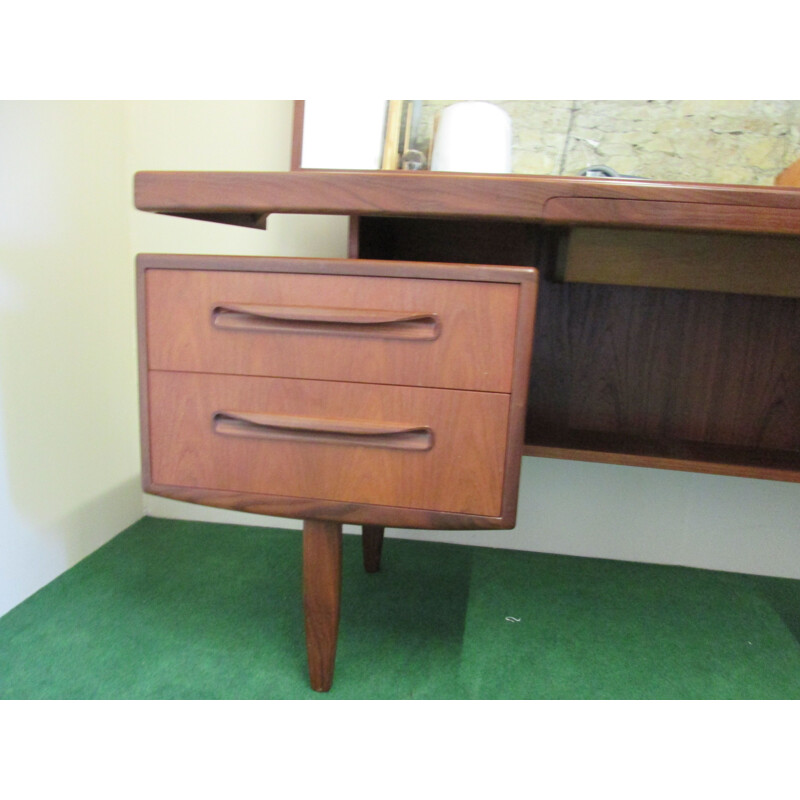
(69, 449)
(653, 515)
(68, 453)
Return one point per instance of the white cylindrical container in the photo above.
(472, 136)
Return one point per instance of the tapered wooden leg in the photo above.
(322, 589)
(372, 544)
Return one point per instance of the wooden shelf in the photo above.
(637, 451)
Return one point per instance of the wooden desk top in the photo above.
(247, 198)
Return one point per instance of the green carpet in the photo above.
(171, 610)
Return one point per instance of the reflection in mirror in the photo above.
(706, 141)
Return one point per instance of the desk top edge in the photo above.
(247, 198)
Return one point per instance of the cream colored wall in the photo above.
(222, 135)
(69, 474)
(69, 441)
(69, 450)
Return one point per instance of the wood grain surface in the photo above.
(473, 345)
(666, 365)
(322, 592)
(247, 197)
(462, 472)
(717, 262)
(673, 454)
(690, 380)
(314, 508)
(372, 546)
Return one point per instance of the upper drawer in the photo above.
(407, 331)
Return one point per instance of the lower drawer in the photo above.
(432, 449)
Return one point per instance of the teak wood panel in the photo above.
(445, 240)
(739, 263)
(462, 472)
(322, 592)
(306, 508)
(666, 365)
(248, 197)
(671, 213)
(466, 339)
(690, 380)
(674, 454)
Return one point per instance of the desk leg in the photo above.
(372, 544)
(322, 589)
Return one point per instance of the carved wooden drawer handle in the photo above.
(323, 431)
(339, 321)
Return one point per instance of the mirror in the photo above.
(746, 142)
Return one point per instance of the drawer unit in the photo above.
(370, 392)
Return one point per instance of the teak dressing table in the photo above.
(400, 387)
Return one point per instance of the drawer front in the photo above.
(435, 449)
(407, 331)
